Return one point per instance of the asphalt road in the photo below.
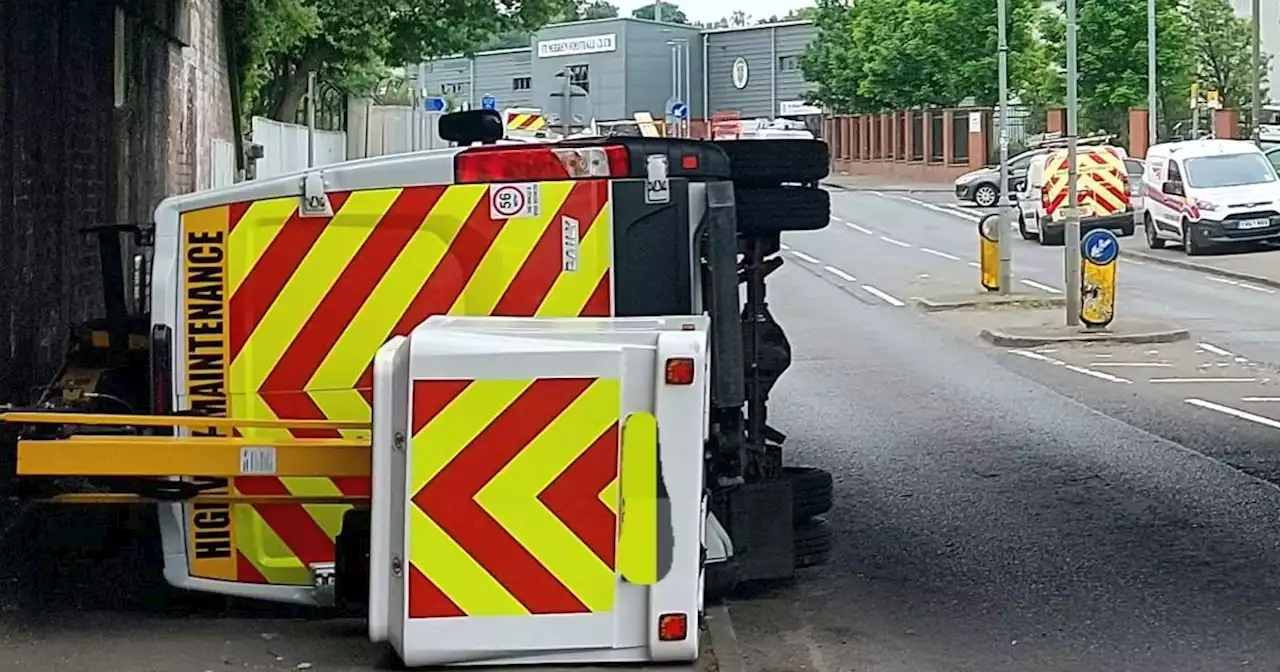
(1029, 510)
(997, 510)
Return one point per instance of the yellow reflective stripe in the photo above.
(571, 290)
(638, 538)
(509, 252)
(512, 496)
(347, 359)
(457, 425)
(297, 301)
(264, 549)
(610, 496)
(327, 516)
(259, 226)
(456, 573)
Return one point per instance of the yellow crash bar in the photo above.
(120, 498)
(39, 418)
(186, 456)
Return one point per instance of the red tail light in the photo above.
(161, 370)
(538, 163)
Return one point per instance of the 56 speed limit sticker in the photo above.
(514, 200)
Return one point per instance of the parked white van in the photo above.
(1203, 193)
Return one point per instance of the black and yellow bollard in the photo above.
(989, 251)
(1098, 251)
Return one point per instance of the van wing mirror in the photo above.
(1173, 188)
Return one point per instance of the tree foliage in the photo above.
(670, 13)
(1222, 47)
(351, 43)
(873, 55)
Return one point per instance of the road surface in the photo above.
(1047, 509)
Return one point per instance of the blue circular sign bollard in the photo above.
(1100, 247)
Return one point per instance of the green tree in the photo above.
(351, 43)
(1222, 46)
(599, 9)
(670, 13)
(873, 55)
(802, 14)
(1112, 60)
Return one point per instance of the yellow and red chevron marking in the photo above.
(514, 486)
(311, 300)
(525, 122)
(1103, 181)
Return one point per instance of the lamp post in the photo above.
(1006, 208)
(1071, 250)
(1257, 72)
(1152, 103)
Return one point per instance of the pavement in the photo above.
(1072, 507)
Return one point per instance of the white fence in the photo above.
(284, 147)
(378, 130)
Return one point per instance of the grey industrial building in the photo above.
(621, 66)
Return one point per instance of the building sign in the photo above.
(573, 46)
(740, 73)
(794, 108)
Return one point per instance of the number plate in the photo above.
(1253, 224)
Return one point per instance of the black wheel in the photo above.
(1189, 244)
(986, 195)
(1047, 238)
(812, 542)
(811, 492)
(766, 210)
(773, 162)
(1022, 228)
(1154, 241)
(1127, 229)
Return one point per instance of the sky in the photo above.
(713, 10)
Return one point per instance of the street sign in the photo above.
(1099, 250)
(680, 111)
(489, 102)
(435, 104)
(1101, 247)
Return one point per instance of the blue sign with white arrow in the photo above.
(1100, 246)
(489, 102)
(679, 110)
(435, 104)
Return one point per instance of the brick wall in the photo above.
(70, 158)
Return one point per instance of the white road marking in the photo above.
(1135, 365)
(1203, 380)
(1042, 287)
(801, 255)
(1224, 281)
(1235, 412)
(1215, 349)
(882, 296)
(837, 220)
(1098, 374)
(783, 246)
(1259, 399)
(1071, 367)
(891, 241)
(975, 264)
(938, 208)
(1264, 290)
(863, 229)
(875, 193)
(936, 253)
(840, 274)
(1135, 262)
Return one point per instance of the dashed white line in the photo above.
(840, 274)
(784, 246)
(1071, 367)
(1214, 278)
(1039, 286)
(863, 229)
(938, 208)
(975, 264)
(804, 257)
(1235, 412)
(892, 241)
(1255, 288)
(1259, 399)
(936, 253)
(891, 300)
(1203, 380)
(1097, 374)
(1215, 349)
(1135, 365)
